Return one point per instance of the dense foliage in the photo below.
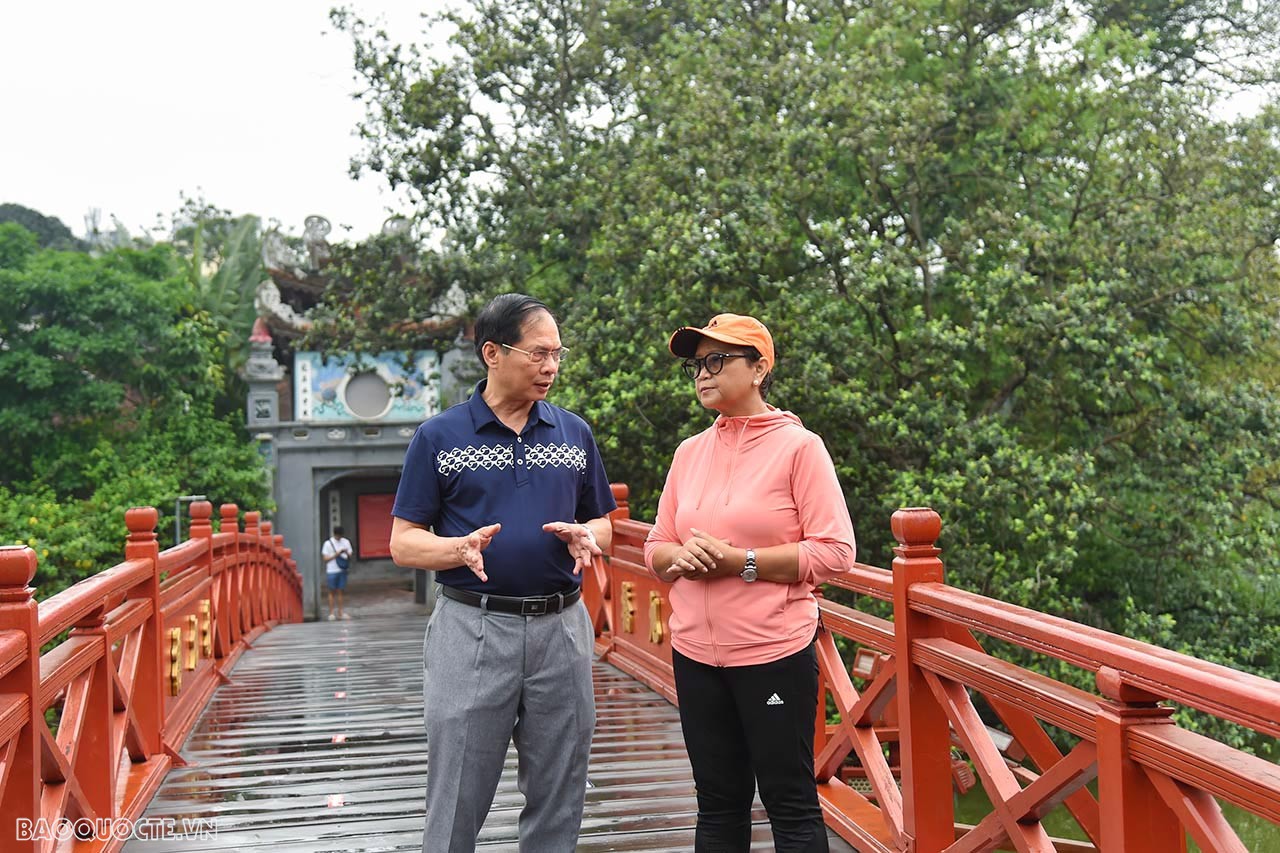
(1017, 268)
(221, 257)
(109, 374)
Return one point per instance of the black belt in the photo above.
(534, 605)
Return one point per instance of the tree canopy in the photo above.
(109, 378)
(1017, 267)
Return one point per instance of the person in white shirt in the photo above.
(337, 559)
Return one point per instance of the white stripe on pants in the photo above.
(489, 677)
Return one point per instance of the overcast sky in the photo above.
(124, 106)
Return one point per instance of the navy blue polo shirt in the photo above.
(465, 469)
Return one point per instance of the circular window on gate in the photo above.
(367, 395)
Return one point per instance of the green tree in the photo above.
(108, 378)
(222, 262)
(88, 345)
(1016, 267)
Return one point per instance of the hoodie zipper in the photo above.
(726, 491)
(733, 462)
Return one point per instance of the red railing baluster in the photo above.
(19, 692)
(925, 738)
(264, 570)
(148, 694)
(93, 765)
(1134, 817)
(275, 589)
(251, 554)
(232, 574)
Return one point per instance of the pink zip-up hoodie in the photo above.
(752, 482)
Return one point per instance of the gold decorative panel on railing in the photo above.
(628, 607)
(656, 625)
(206, 628)
(175, 661)
(193, 650)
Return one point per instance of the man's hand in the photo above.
(697, 556)
(579, 539)
(468, 548)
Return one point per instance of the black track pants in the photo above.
(749, 725)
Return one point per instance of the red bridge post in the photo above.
(148, 699)
(249, 569)
(1134, 818)
(276, 588)
(232, 574)
(20, 784)
(928, 813)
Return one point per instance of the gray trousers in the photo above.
(489, 678)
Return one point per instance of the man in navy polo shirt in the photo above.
(505, 497)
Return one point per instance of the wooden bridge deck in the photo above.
(317, 745)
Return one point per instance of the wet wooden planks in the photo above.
(317, 745)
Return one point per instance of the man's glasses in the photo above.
(538, 356)
(712, 361)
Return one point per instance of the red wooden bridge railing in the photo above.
(1157, 783)
(132, 654)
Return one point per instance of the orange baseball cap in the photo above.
(728, 328)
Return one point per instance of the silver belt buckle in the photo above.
(533, 607)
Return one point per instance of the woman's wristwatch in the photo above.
(749, 573)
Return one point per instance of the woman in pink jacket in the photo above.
(750, 521)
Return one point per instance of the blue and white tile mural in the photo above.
(366, 388)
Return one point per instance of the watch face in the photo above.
(748, 575)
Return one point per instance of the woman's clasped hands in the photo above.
(698, 557)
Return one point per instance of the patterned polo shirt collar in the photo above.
(482, 416)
